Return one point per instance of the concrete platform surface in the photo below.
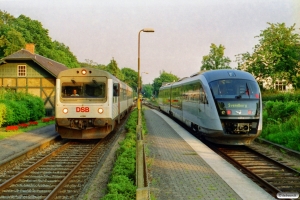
(14, 146)
(184, 168)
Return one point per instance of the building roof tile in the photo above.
(51, 66)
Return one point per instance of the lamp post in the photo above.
(141, 193)
(147, 30)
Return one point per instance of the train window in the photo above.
(234, 88)
(116, 90)
(83, 90)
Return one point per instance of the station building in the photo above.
(29, 72)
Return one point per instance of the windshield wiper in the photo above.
(246, 92)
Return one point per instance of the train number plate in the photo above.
(82, 109)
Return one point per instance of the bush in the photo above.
(16, 112)
(281, 110)
(36, 107)
(274, 95)
(281, 123)
(121, 184)
(2, 114)
(122, 181)
(20, 107)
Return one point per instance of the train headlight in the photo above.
(65, 110)
(83, 72)
(100, 110)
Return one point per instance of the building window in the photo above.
(280, 85)
(21, 70)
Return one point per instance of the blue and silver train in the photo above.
(223, 106)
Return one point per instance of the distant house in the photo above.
(26, 71)
(280, 85)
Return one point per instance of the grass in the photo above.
(4, 134)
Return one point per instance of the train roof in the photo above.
(90, 72)
(213, 75)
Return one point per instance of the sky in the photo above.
(101, 30)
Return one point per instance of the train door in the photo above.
(116, 99)
(203, 103)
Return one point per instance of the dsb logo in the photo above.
(82, 109)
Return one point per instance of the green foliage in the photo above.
(113, 68)
(276, 55)
(147, 90)
(215, 59)
(2, 113)
(35, 105)
(122, 183)
(274, 95)
(20, 107)
(16, 32)
(281, 123)
(281, 111)
(92, 64)
(125, 164)
(121, 187)
(132, 122)
(130, 77)
(14, 42)
(163, 78)
(16, 112)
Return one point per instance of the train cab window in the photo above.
(83, 90)
(116, 90)
(234, 88)
(71, 91)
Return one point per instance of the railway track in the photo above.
(61, 174)
(274, 177)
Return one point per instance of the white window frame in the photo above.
(280, 85)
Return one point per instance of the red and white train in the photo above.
(89, 103)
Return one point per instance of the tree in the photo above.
(277, 55)
(16, 32)
(147, 90)
(14, 42)
(113, 68)
(215, 59)
(5, 18)
(163, 78)
(130, 77)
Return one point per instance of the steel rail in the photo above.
(264, 184)
(264, 178)
(15, 178)
(279, 147)
(60, 186)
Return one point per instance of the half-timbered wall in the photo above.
(37, 81)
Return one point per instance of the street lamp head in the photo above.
(148, 30)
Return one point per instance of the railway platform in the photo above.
(182, 167)
(14, 146)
